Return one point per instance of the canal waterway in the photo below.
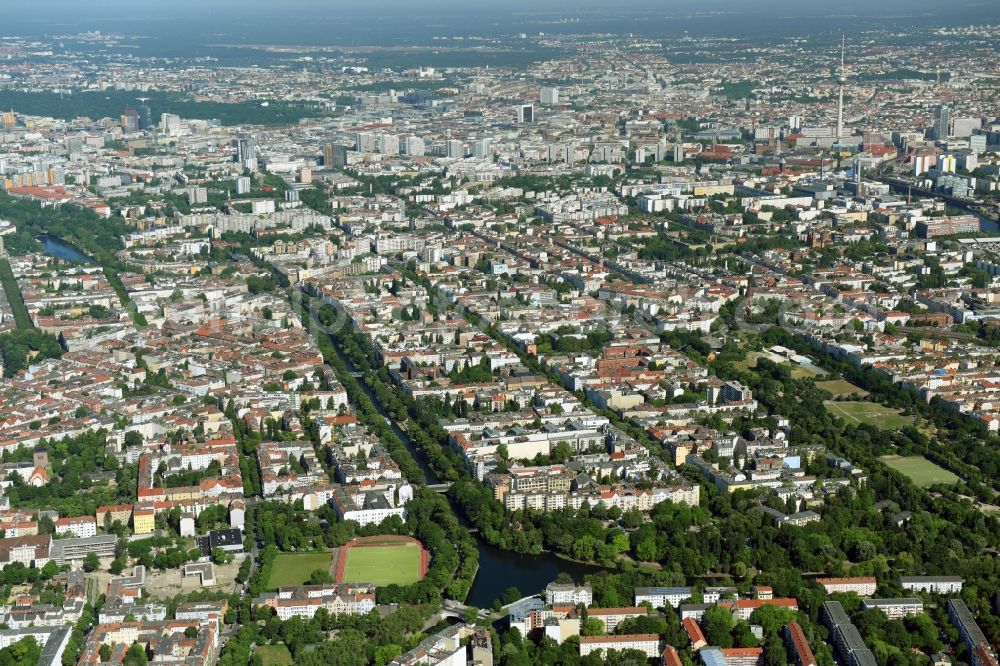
(498, 569)
(60, 249)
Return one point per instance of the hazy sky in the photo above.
(316, 21)
(75, 9)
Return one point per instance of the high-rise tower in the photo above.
(145, 114)
(841, 82)
(942, 123)
(246, 152)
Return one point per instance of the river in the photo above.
(60, 249)
(498, 569)
(986, 224)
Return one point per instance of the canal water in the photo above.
(498, 569)
(986, 224)
(60, 249)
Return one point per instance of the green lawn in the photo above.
(746, 363)
(841, 387)
(796, 371)
(383, 565)
(274, 655)
(803, 371)
(871, 413)
(920, 470)
(20, 311)
(295, 568)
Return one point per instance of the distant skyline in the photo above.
(210, 28)
(52, 14)
(74, 9)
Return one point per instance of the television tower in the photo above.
(841, 82)
(858, 176)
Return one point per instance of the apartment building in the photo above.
(659, 597)
(695, 634)
(670, 657)
(80, 526)
(560, 594)
(846, 639)
(894, 609)
(713, 595)
(981, 652)
(446, 648)
(612, 617)
(108, 515)
(932, 584)
(694, 611)
(749, 656)
(305, 600)
(118, 609)
(28, 550)
(371, 507)
(863, 586)
(202, 610)
(163, 640)
(623, 497)
(744, 608)
(548, 478)
(796, 640)
(559, 629)
(648, 644)
(52, 639)
(143, 521)
(947, 226)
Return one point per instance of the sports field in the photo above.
(920, 470)
(382, 560)
(841, 388)
(274, 655)
(871, 413)
(383, 565)
(295, 568)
